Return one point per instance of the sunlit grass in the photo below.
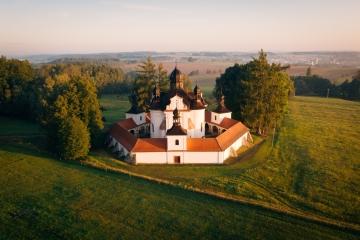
(43, 198)
(314, 165)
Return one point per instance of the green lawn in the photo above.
(13, 126)
(314, 166)
(43, 198)
(115, 108)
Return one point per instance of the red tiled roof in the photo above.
(150, 145)
(235, 129)
(203, 145)
(228, 123)
(231, 135)
(128, 123)
(123, 136)
(225, 123)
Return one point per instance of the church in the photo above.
(177, 129)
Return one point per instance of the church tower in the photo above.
(176, 135)
(135, 112)
(176, 79)
(221, 111)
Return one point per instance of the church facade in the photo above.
(178, 129)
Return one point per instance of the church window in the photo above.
(140, 118)
(215, 117)
(177, 142)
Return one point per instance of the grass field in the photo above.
(27, 129)
(115, 108)
(43, 198)
(314, 166)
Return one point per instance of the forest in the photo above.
(314, 85)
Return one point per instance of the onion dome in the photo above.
(176, 128)
(176, 79)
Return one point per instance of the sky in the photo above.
(93, 26)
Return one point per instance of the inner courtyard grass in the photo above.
(313, 167)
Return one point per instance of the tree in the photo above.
(256, 92)
(162, 78)
(74, 139)
(144, 82)
(61, 97)
(16, 79)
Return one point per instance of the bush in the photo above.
(74, 139)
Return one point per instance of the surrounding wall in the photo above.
(231, 151)
(186, 157)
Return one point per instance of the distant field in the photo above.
(335, 73)
(43, 198)
(314, 166)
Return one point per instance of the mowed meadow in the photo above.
(313, 166)
(44, 198)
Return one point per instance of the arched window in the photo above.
(177, 142)
(215, 117)
(140, 118)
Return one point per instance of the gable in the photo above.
(176, 102)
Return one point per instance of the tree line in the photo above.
(63, 98)
(314, 85)
(256, 92)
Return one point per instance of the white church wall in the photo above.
(218, 117)
(157, 118)
(231, 151)
(138, 118)
(175, 154)
(150, 157)
(198, 119)
(172, 140)
(176, 102)
(202, 158)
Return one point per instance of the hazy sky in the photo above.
(84, 26)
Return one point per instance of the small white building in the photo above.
(178, 129)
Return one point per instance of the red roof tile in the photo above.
(228, 123)
(231, 135)
(150, 145)
(128, 123)
(123, 136)
(203, 145)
